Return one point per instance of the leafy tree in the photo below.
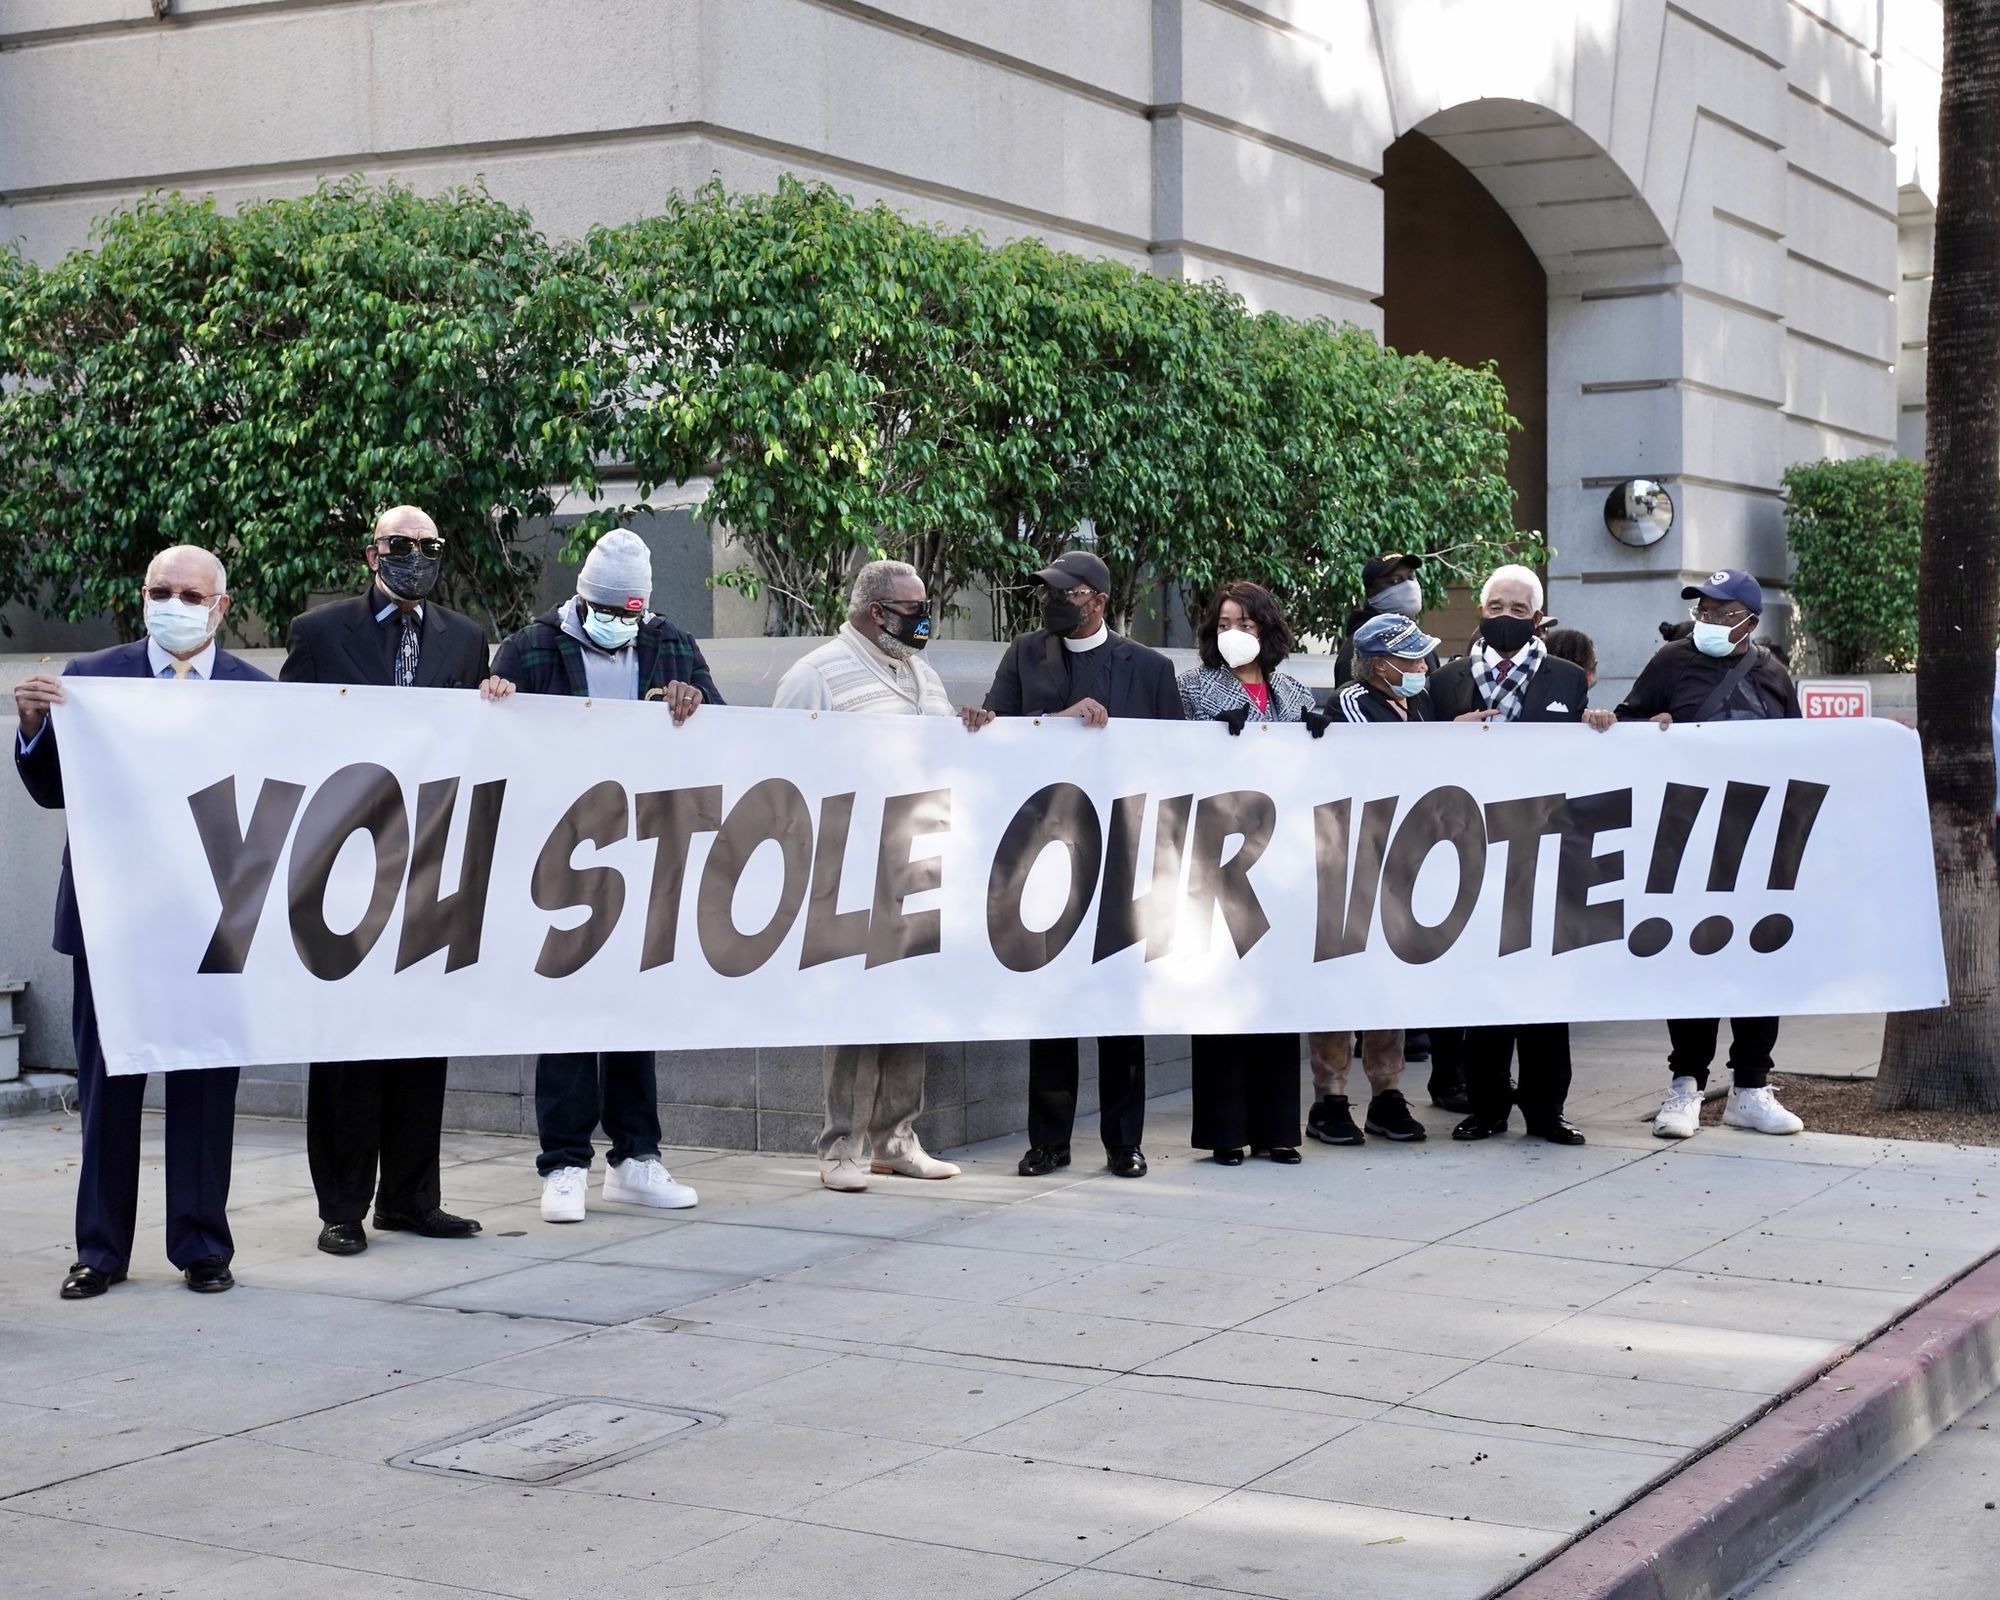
(1855, 531)
(263, 383)
(1949, 1058)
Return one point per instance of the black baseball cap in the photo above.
(1076, 566)
(1385, 567)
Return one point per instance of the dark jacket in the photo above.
(542, 659)
(1556, 684)
(1033, 680)
(41, 766)
(1679, 679)
(341, 642)
(1355, 701)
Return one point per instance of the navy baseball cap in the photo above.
(1077, 566)
(1729, 584)
(1391, 635)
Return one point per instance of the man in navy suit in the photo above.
(187, 596)
(372, 1127)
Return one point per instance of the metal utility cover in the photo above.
(555, 1441)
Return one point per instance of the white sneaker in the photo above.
(915, 1162)
(562, 1194)
(1679, 1116)
(1759, 1111)
(642, 1181)
(845, 1174)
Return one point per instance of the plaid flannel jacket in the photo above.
(542, 659)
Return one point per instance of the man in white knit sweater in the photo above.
(874, 664)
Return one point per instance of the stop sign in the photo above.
(1836, 697)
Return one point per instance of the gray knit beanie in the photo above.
(618, 568)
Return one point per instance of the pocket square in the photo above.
(1557, 705)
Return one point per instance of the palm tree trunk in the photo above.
(1950, 1059)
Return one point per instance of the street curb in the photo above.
(37, 1094)
(1725, 1518)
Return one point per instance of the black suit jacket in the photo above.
(1558, 692)
(341, 642)
(1034, 682)
(40, 765)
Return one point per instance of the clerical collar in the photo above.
(1102, 636)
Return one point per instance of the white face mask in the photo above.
(1403, 599)
(1238, 647)
(177, 627)
(1713, 638)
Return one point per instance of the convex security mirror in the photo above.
(1639, 512)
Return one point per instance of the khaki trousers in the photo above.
(1381, 1059)
(873, 1095)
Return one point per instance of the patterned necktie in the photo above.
(181, 669)
(406, 652)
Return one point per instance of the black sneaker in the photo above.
(1416, 1045)
(1330, 1122)
(1389, 1116)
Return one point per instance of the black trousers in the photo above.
(1543, 1051)
(1751, 1041)
(370, 1119)
(1246, 1091)
(1447, 1057)
(575, 1090)
(201, 1129)
(1121, 1091)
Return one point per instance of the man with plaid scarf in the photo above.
(1510, 673)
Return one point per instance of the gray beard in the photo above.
(893, 648)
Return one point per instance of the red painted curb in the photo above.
(1730, 1514)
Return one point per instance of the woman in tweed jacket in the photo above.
(1246, 1085)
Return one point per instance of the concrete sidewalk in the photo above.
(1388, 1371)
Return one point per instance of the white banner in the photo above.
(288, 873)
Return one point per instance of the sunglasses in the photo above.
(401, 544)
(160, 593)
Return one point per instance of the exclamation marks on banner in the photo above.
(1741, 805)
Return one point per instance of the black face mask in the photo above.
(912, 629)
(410, 577)
(1507, 634)
(1060, 614)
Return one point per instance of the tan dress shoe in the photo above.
(913, 1163)
(844, 1174)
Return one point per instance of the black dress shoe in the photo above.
(1042, 1159)
(87, 1283)
(1389, 1116)
(1331, 1122)
(1447, 1094)
(1559, 1131)
(1127, 1161)
(1229, 1158)
(1476, 1127)
(1416, 1045)
(209, 1275)
(435, 1223)
(1284, 1155)
(343, 1239)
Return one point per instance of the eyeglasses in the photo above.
(1082, 594)
(160, 593)
(401, 545)
(918, 608)
(1728, 619)
(614, 611)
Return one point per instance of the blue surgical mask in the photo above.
(177, 627)
(609, 633)
(1713, 638)
(1412, 683)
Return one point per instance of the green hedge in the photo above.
(1854, 528)
(852, 382)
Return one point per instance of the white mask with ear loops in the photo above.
(1238, 647)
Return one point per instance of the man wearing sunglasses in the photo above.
(372, 1127)
(604, 644)
(186, 595)
(874, 664)
(1719, 673)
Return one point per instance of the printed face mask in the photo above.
(1237, 647)
(1403, 599)
(410, 577)
(912, 630)
(1713, 638)
(177, 627)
